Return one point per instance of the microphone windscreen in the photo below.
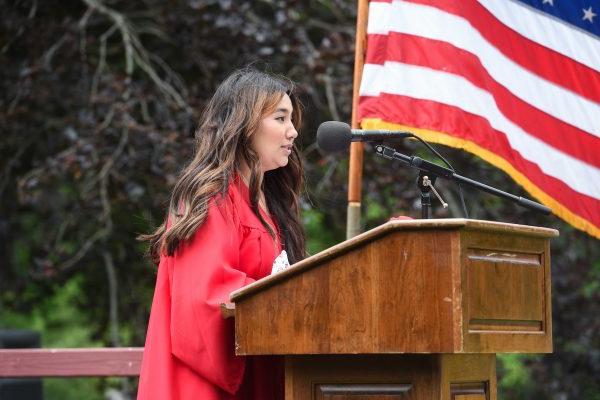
(334, 136)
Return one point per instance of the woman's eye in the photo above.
(280, 119)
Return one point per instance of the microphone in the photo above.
(335, 136)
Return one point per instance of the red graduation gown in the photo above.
(189, 351)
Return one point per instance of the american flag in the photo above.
(514, 82)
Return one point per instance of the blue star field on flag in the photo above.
(584, 14)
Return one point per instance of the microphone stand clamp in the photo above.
(425, 184)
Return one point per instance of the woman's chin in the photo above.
(282, 163)
(279, 164)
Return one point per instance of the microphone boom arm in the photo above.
(443, 172)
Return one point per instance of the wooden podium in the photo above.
(408, 310)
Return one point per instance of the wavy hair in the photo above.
(231, 117)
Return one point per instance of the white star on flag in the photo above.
(588, 14)
(551, 2)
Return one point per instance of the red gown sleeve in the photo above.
(203, 272)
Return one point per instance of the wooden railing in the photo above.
(75, 362)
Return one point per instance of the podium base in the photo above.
(391, 377)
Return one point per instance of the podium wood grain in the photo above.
(408, 310)
(436, 286)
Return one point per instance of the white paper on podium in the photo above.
(281, 263)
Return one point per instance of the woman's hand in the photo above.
(400, 218)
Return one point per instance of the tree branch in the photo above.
(113, 298)
(136, 53)
(330, 96)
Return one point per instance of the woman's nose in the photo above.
(292, 133)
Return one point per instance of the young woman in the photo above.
(234, 209)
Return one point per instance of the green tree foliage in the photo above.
(98, 105)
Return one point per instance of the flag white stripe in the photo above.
(380, 19)
(427, 84)
(548, 31)
(555, 100)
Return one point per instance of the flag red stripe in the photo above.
(538, 59)
(445, 57)
(456, 122)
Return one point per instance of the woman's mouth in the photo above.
(287, 149)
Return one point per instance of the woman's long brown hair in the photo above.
(222, 142)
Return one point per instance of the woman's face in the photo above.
(275, 135)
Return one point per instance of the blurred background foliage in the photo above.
(99, 101)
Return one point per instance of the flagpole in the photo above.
(356, 148)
